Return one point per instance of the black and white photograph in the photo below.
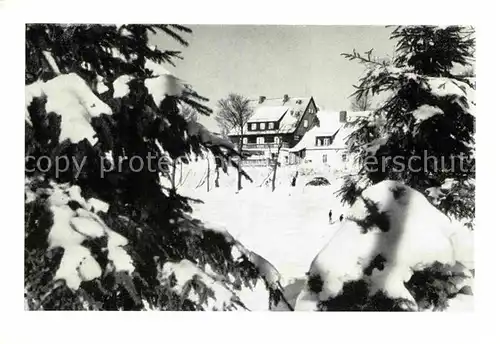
(285, 168)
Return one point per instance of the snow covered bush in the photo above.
(102, 233)
(393, 251)
(422, 133)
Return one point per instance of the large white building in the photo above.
(277, 124)
(325, 144)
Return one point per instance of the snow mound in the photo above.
(70, 97)
(388, 234)
(256, 294)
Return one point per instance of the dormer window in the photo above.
(323, 141)
(254, 126)
(306, 123)
(262, 126)
(270, 125)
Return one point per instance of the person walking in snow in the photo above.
(330, 217)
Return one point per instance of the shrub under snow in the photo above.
(393, 251)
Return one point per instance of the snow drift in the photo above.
(390, 234)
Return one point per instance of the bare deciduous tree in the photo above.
(233, 114)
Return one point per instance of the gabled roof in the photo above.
(268, 113)
(292, 103)
(273, 110)
(329, 125)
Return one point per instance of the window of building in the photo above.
(270, 125)
(276, 139)
(306, 123)
(262, 126)
(325, 158)
(254, 126)
(296, 137)
(344, 157)
(260, 140)
(245, 140)
(326, 141)
(318, 141)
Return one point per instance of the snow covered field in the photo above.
(287, 227)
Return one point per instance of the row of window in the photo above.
(262, 126)
(268, 125)
(261, 140)
(325, 157)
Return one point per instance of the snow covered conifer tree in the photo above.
(418, 141)
(423, 132)
(101, 231)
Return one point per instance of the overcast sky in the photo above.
(300, 61)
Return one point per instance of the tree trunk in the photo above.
(173, 176)
(240, 150)
(208, 174)
(275, 167)
(239, 175)
(217, 172)
(180, 176)
(294, 179)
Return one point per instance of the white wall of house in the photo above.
(336, 158)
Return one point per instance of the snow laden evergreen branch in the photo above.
(168, 246)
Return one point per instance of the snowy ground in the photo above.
(287, 227)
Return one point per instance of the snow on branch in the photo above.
(72, 227)
(425, 112)
(190, 281)
(52, 62)
(69, 96)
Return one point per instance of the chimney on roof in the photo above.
(285, 98)
(262, 99)
(343, 116)
(299, 101)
